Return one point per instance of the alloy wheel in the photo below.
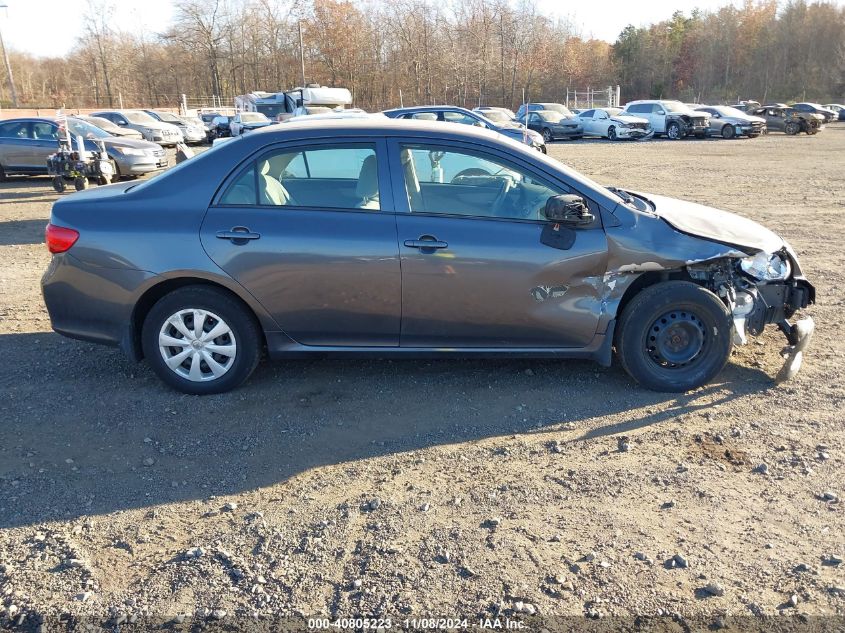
(197, 345)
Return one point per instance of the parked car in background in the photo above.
(454, 114)
(111, 128)
(497, 115)
(404, 238)
(613, 124)
(748, 106)
(26, 143)
(670, 118)
(729, 122)
(220, 126)
(151, 129)
(781, 118)
(553, 125)
(816, 108)
(247, 121)
(838, 108)
(191, 132)
(486, 110)
(537, 107)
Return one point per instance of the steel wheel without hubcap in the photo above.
(675, 339)
(197, 345)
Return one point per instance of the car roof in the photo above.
(429, 108)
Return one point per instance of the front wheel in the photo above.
(200, 340)
(673, 130)
(728, 132)
(80, 183)
(611, 133)
(792, 128)
(674, 336)
(59, 184)
(547, 135)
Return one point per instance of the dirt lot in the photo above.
(418, 488)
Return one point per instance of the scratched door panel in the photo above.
(497, 285)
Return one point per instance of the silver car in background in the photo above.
(26, 143)
(729, 122)
(192, 132)
(152, 129)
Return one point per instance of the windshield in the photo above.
(729, 111)
(496, 115)
(100, 122)
(558, 107)
(253, 117)
(674, 106)
(551, 117)
(168, 117)
(86, 130)
(138, 117)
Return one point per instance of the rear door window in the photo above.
(15, 129)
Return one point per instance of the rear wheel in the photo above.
(200, 340)
(674, 336)
(59, 184)
(80, 183)
(728, 131)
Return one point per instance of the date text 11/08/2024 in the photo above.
(432, 624)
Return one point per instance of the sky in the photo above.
(51, 27)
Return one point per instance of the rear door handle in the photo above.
(238, 234)
(426, 241)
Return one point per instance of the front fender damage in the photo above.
(652, 250)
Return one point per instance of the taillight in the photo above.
(59, 239)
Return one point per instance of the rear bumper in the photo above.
(91, 303)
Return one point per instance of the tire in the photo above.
(611, 133)
(792, 128)
(104, 180)
(59, 184)
(237, 348)
(547, 135)
(80, 183)
(673, 131)
(674, 312)
(2, 174)
(728, 132)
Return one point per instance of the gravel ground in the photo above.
(405, 489)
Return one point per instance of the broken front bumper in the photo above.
(775, 303)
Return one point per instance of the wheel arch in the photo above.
(649, 279)
(151, 296)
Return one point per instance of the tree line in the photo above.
(463, 52)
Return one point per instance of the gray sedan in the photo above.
(25, 145)
(402, 238)
(729, 122)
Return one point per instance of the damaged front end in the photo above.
(691, 124)
(751, 269)
(762, 290)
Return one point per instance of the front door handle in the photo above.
(426, 241)
(238, 235)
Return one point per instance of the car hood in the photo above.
(129, 142)
(715, 224)
(257, 124)
(158, 125)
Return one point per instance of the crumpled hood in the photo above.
(715, 224)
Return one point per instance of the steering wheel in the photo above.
(496, 206)
(469, 171)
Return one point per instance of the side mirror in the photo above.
(661, 112)
(568, 209)
(479, 124)
(121, 122)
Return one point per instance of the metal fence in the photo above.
(608, 97)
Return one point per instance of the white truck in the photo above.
(281, 106)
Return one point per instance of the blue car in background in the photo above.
(454, 114)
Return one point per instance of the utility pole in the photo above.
(301, 53)
(8, 65)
